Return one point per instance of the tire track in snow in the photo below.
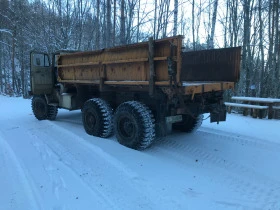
(266, 194)
(49, 161)
(53, 160)
(71, 149)
(21, 173)
(51, 193)
(162, 199)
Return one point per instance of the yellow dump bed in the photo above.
(160, 63)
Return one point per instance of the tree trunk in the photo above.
(214, 17)
(165, 20)
(97, 25)
(13, 62)
(246, 45)
(261, 47)
(122, 32)
(193, 28)
(138, 21)
(108, 24)
(155, 20)
(1, 67)
(114, 22)
(175, 18)
(130, 15)
(276, 8)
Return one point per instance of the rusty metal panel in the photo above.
(211, 65)
(124, 63)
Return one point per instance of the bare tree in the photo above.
(175, 28)
(108, 28)
(114, 22)
(213, 25)
(246, 44)
(97, 24)
(122, 29)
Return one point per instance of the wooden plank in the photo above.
(250, 106)
(256, 99)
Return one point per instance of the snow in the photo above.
(256, 99)
(56, 165)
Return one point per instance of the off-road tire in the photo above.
(134, 125)
(42, 110)
(52, 112)
(189, 123)
(97, 118)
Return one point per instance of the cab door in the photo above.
(41, 74)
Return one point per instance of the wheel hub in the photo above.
(126, 127)
(91, 120)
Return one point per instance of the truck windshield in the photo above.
(41, 60)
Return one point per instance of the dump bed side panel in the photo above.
(126, 63)
(211, 65)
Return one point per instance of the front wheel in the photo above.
(134, 125)
(42, 110)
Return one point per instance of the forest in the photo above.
(51, 25)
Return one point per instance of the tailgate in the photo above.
(211, 65)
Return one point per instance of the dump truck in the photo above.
(137, 91)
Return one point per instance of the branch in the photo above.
(5, 44)
(6, 31)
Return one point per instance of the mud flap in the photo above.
(218, 114)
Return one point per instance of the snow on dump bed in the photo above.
(56, 165)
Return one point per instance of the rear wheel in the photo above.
(52, 112)
(97, 118)
(42, 110)
(134, 125)
(189, 123)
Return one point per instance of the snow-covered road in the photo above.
(56, 165)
